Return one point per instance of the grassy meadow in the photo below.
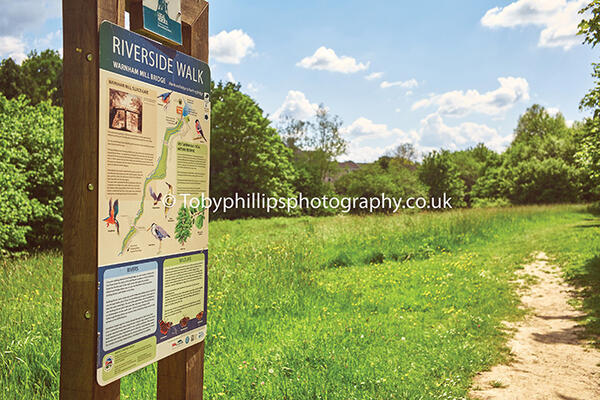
(347, 307)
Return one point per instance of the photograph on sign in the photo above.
(152, 240)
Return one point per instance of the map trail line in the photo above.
(160, 172)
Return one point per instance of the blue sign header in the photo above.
(134, 56)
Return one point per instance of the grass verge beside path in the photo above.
(377, 307)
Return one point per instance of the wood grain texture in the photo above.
(79, 338)
(181, 376)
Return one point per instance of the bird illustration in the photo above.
(113, 211)
(155, 197)
(169, 200)
(199, 131)
(159, 233)
(165, 98)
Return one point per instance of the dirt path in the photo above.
(550, 361)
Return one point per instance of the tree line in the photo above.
(547, 161)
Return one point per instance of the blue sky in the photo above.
(442, 74)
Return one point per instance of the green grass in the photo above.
(377, 307)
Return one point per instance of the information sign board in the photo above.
(154, 133)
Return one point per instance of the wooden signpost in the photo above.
(180, 375)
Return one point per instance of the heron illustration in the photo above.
(159, 233)
(113, 211)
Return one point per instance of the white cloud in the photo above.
(459, 103)
(435, 133)
(325, 59)
(20, 16)
(552, 111)
(409, 84)
(367, 141)
(230, 47)
(46, 41)
(296, 106)
(252, 87)
(557, 18)
(231, 78)
(374, 75)
(364, 154)
(365, 129)
(14, 47)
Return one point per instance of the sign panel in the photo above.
(152, 236)
(158, 19)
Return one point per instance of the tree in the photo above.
(247, 154)
(11, 79)
(320, 139)
(441, 176)
(588, 155)
(183, 227)
(39, 77)
(42, 73)
(539, 165)
(316, 144)
(31, 174)
(471, 164)
(405, 152)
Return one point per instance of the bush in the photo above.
(31, 174)
(549, 181)
(393, 179)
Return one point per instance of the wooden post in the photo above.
(181, 375)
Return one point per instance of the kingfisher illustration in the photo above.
(155, 197)
(165, 98)
(169, 200)
(113, 211)
(199, 131)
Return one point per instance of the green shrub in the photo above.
(31, 174)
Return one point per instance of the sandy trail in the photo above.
(549, 359)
